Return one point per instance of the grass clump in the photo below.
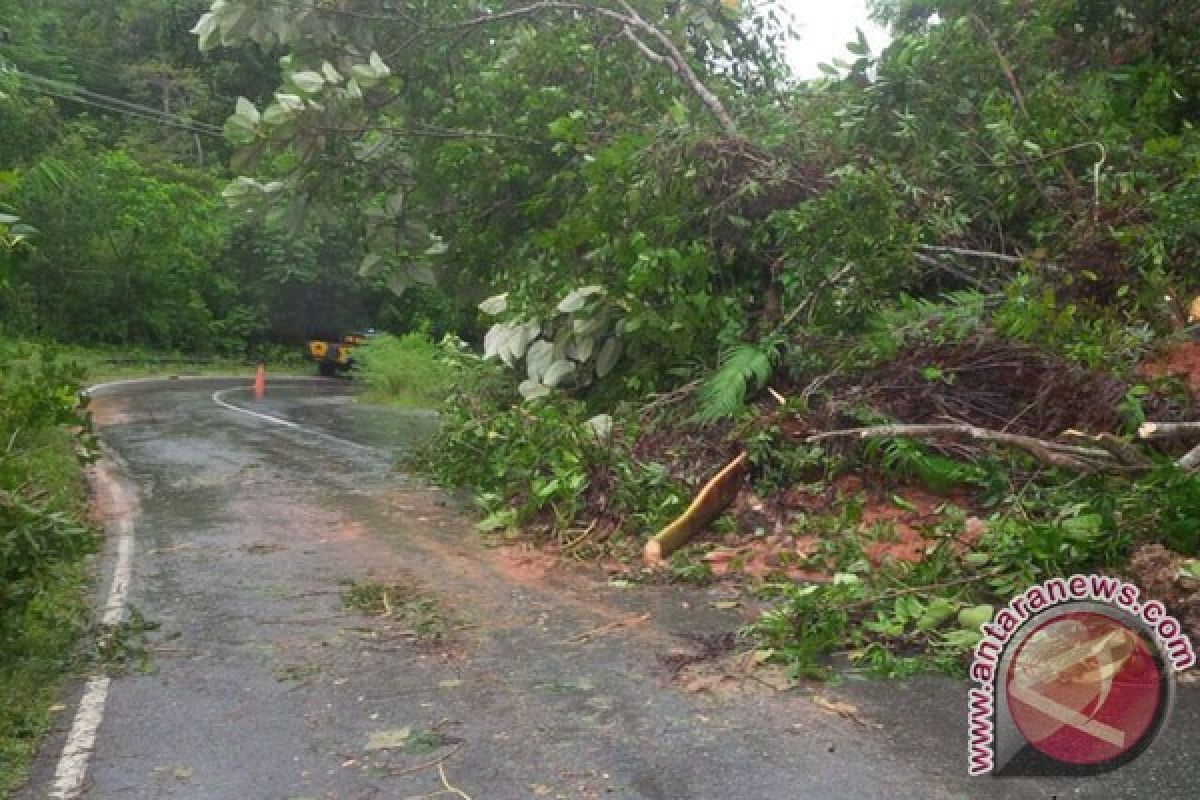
(410, 370)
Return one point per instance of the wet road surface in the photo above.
(256, 683)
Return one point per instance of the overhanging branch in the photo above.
(628, 19)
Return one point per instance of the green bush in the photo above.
(39, 479)
(408, 370)
(42, 538)
(551, 460)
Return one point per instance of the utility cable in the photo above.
(78, 94)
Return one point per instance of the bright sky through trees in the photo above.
(825, 27)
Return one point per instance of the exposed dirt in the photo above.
(1157, 571)
(1180, 361)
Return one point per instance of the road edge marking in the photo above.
(219, 399)
(73, 764)
(90, 391)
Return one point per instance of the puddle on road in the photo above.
(334, 409)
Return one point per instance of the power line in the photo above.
(78, 94)
(63, 86)
(110, 70)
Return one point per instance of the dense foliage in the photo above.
(42, 538)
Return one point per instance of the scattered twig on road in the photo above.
(433, 762)
(173, 549)
(587, 636)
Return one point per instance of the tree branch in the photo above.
(1190, 461)
(1168, 430)
(959, 251)
(1009, 75)
(672, 56)
(650, 54)
(1052, 453)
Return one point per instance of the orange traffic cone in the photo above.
(260, 382)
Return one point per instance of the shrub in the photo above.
(39, 479)
(408, 370)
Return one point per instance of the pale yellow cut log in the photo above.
(714, 498)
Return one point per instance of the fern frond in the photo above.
(745, 368)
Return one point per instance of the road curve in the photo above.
(256, 683)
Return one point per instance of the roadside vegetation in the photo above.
(43, 538)
(409, 370)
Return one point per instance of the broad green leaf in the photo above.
(496, 304)
(206, 32)
(606, 359)
(370, 263)
(938, 611)
(581, 348)
(240, 131)
(538, 359)
(558, 372)
(308, 81)
(246, 110)
(588, 326)
(381, 69)
(577, 299)
(531, 390)
(973, 617)
(601, 425)
(330, 74)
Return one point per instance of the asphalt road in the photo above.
(255, 682)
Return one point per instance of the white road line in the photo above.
(73, 763)
(92, 390)
(218, 397)
(72, 767)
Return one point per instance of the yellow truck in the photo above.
(334, 356)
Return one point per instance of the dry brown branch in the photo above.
(1052, 453)
(1121, 450)
(670, 398)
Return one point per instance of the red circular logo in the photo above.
(1085, 688)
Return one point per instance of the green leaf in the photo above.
(606, 359)
(308, 81)
(744, 368)
(577, 299)
(494, 305)
(937, 612)
(330, 74)
(557, 372)
(538, 359)
(531, 390)
(973, 617)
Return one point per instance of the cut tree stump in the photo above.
(714, 498)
